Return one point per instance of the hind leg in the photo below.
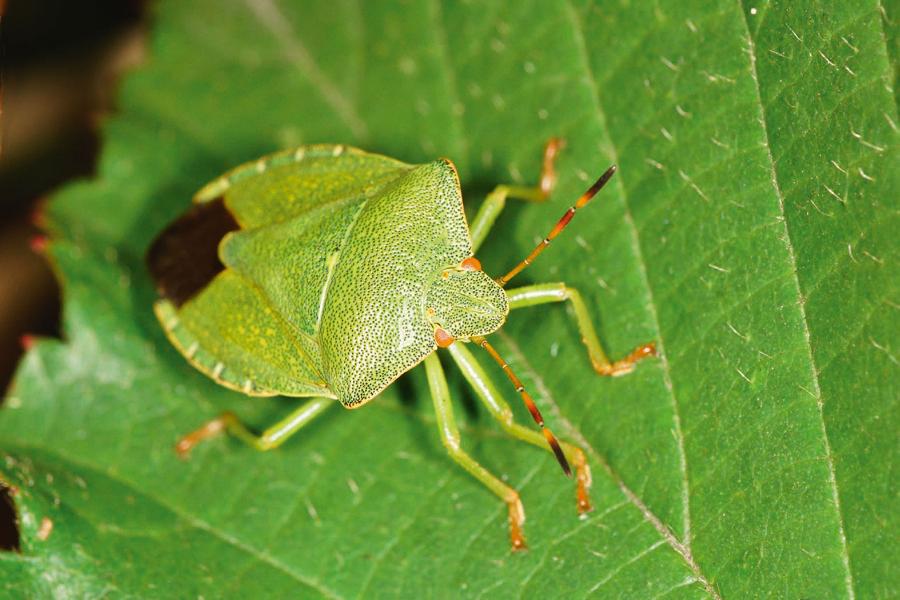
(271, 438)
(500, 410)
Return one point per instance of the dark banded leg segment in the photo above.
(443, 409)
(271, 438)
(545, 293)
(500, 410)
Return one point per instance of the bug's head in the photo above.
(464, 302)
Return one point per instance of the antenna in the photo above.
(560, 225)
(529, 403)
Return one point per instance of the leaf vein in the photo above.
(412, 520)
(650, 304)
(814, 375)
(267, 13)
(575, 434)
(185, 517)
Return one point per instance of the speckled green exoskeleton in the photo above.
(327, 272)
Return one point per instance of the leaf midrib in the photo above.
(650, 304)
(574, 433)
(789, 246)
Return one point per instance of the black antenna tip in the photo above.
(607, 175)
(557, 451)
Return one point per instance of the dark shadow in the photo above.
(464, 398)
(9, 522)
(406, 392)
(406, 388)
(168, 203)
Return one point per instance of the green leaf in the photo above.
(750, 231)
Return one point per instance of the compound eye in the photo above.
(442, 338)
(470, 264)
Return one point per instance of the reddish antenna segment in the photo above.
(529, 403)
(560, 225)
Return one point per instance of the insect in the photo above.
(326, 272)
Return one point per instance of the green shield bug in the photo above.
(327, 272)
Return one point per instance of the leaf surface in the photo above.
(750, 232)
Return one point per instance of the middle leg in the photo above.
(495, 202)
(544, 293)
(501, 411)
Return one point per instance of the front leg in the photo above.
(544, 293)
(500, 410)
(496, 200)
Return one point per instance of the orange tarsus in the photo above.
(583, 500)
(626, 365)
(516, 518)
(187, 443)
(642, 352)
(548, 173)
(583, 480)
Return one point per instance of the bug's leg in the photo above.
(271, 438)
(500, 410)
(496, 200)
(544, 293)
(437, 382)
